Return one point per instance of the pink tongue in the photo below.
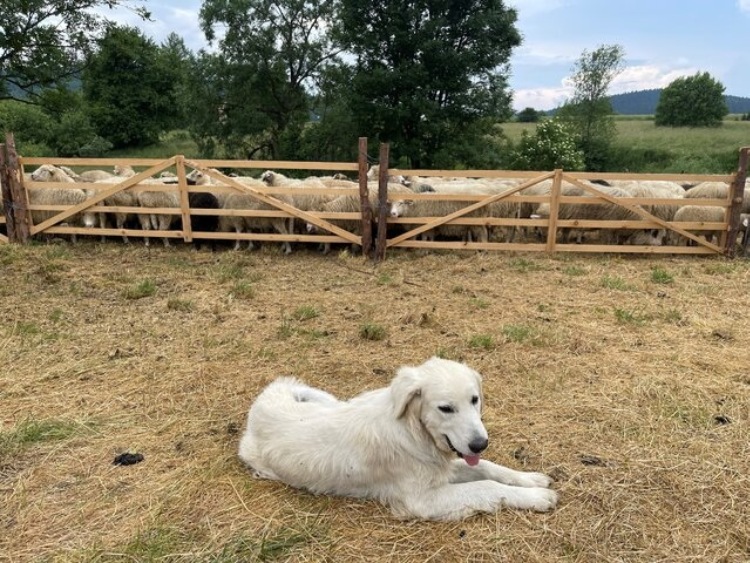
(471, 459)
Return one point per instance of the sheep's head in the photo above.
(43, 173)
(267, 177)
(124, 170)
(400, 207)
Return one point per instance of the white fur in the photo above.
(391, 444)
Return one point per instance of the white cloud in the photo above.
(631, 79)
(647, 77)
(743, 5)
(540, 98)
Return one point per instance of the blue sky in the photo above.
(662, 40)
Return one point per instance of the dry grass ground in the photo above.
(626, 378)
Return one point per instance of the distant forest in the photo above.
(644, 102)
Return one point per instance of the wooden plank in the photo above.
(182, 186)
(737, 197)
(512, 174)
(554, 210)
(364, 198)
(381, 243)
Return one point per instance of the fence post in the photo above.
(182, 185)
(737, 194)
(364, 199)
(554, 210)
(14, 198)
(382, 202)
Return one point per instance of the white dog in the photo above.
(397, 445)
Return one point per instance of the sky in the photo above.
(662, 40)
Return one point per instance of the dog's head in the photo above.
(446, 398)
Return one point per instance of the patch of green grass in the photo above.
(630, 317)
(660, 275)
(484, 341)
(458, 289)
(451, 353)
(518, 333)
(720, 267)
(153, 545)
(372, 331)
(286, 329)
(280, 544)
(615, 282)
(479, 303)
(30, 432)
(574, 271)
(144, 288)
(305, 312)
(673, 316)
(384, 278)
(56, 315)
(181, 305)
(26, 328)
(242, 289)
(524, 265)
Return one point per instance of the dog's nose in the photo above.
(478, 445)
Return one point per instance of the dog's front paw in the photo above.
(542, 499)
(532, 479)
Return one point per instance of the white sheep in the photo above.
(698, 214)
(153, 221)
(353, 204)
(123, 198)
(228, 223)
(58, 196)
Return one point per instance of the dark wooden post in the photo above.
(382, 202)
(364, 199)
(737, 194)
(14, 196)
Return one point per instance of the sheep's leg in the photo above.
(120, 219)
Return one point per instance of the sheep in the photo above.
(374, 172)
(353, 204)
(160, 222)
(717, 190)
(61, 196)
(94, 175)
(281, 225)
(698, 214)
(441, 208)
(123, 198)
(58, 196)
(203, 223)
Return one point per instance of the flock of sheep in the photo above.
(316, 194)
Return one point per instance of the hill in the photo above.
(644, 102)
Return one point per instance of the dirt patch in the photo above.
(623, 377)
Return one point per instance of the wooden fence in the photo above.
(19, 225)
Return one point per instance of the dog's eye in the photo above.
(474, 400)
(446, 409)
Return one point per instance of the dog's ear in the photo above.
(405, 387)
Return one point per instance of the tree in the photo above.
(552, 146)
(272, 53)
(43, 42)
(529, 115)
(129, 85)
(589, 112)
(693, 101)
(428, 77)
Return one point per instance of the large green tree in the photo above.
(692, 101)
(129, 85)
(271, 55)
(589, 112)
(428, 76)
(44, 42)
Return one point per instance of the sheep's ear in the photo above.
(405, 388)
